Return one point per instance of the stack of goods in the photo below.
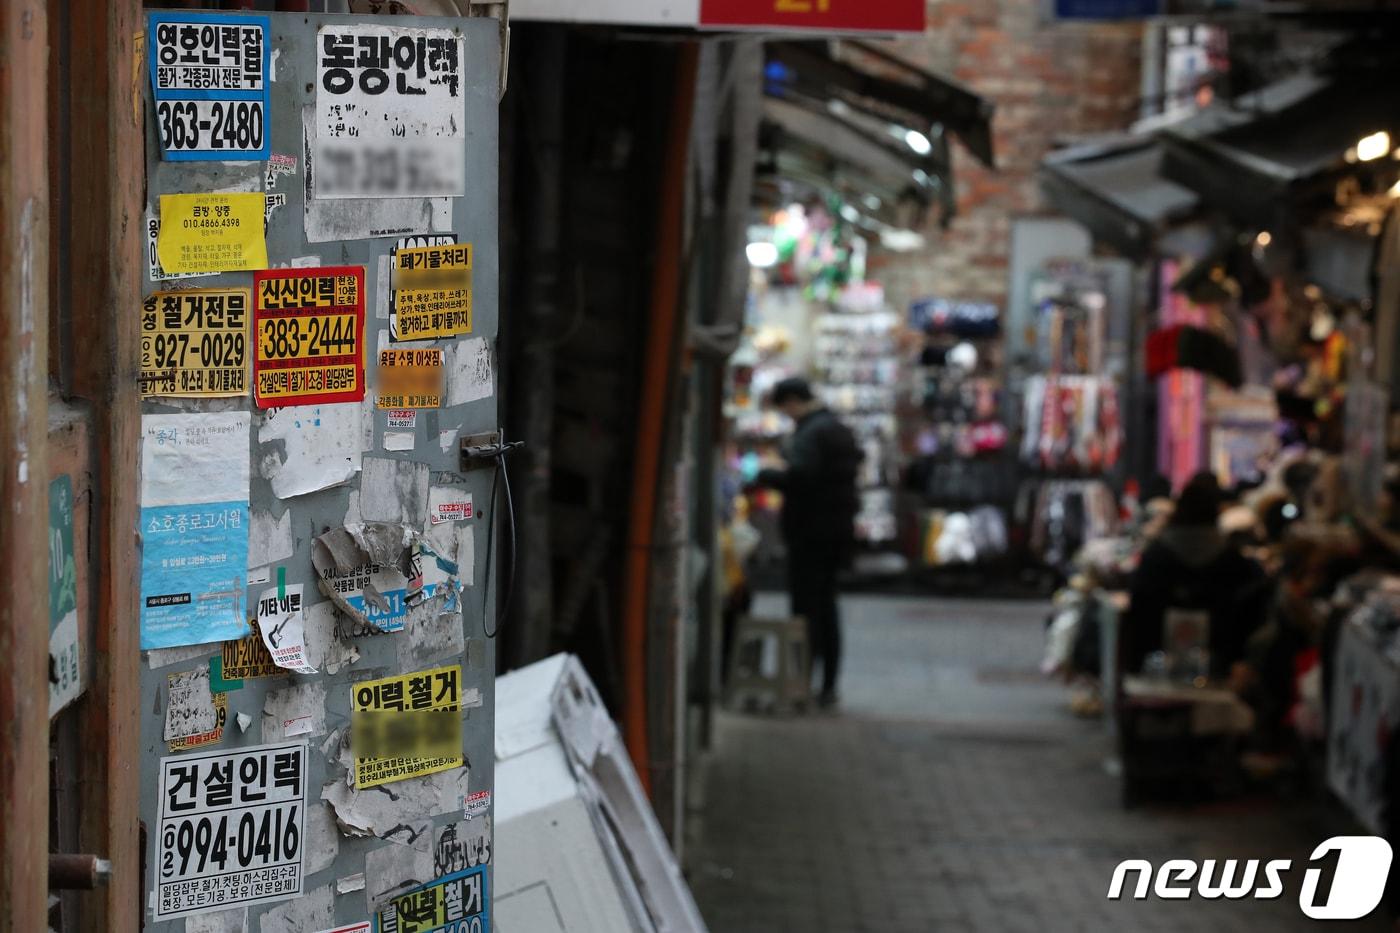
(955, 437)
(856, 367)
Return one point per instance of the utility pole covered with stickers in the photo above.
(322, 476)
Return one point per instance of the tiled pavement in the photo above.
(955, 792)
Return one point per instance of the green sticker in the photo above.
(63, 580)
(217, 684)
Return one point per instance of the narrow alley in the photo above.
(955, 791)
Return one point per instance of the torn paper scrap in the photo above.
(467, 842)
(283, 627)
(324, 646)
(164, 657)
(397, 868)
(225, 921)
(382, 811)
(244, 721)
(269, 539)
(322, 840)
(300, 710)
(469, 371)
(398, 440)
(189, 706)
(306, 448)
(314, 910)
(349, 883)
(378, 572)
(394, 491)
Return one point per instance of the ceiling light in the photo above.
(1369, 148)
(921, 146)
(1264, 238)
(762, 255)
(901, 241)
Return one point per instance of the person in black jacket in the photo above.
(1192, 566)
(818, 518)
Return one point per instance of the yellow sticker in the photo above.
(215, 734)
(410, 379)
(432, 294)
(195, 342)
(436, 689)
(247, 657)
(212, 233)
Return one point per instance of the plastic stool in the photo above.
(770, 664)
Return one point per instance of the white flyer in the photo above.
(230, 829)
(194, 528)
(390, 114)
(283, 627)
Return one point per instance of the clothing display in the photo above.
(1071, 424)
(1063, 515)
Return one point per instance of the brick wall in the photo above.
(1048, 80)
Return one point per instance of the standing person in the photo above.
(818, 517)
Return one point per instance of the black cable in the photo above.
(502, 471)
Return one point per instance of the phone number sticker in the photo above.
(308, 336)
(194, 342)
(209, 81)
(230, 829)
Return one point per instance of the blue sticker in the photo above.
(211, 84)
(194, 528)
(456, 903)
(194, 573)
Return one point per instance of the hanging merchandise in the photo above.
(854, 360)
(1182, 346)
(1063, 515)
(1072, 424)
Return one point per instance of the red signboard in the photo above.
(882, 16)
(308, 336)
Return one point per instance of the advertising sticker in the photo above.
(390, 117)
(409, 379)
(230, 829)
(437, 689)
(210, 84)
(432, 292)
(247, 657)
(308, 333)
(211, 233)
(283, 626)
(65, 669)
(195, 343)
(456, 903)
(194, 528)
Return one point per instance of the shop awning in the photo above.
(1115, 188)
(882, 86)
(1275, 156)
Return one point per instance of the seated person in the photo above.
(1267, 676)
(1191, 566)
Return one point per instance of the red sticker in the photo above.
(308, 336)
